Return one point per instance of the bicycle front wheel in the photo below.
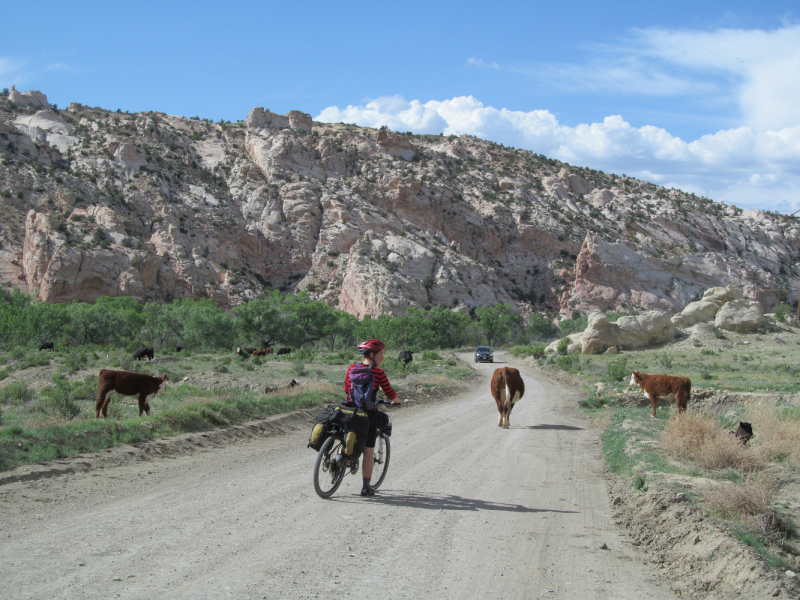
(328, 474)
(383, 450)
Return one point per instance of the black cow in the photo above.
(46, 346)
(744, 432)
(142, 352)
(284, 351)
(405, 356)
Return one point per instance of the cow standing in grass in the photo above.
(662, 386)
(126, 384)
(144, 352)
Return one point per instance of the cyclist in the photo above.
(372, 350)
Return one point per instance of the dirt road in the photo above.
(468, 510)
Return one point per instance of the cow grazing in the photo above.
(507, 389)
(142, 352)
(126, 384)
(178, 348)
(662, 386)
(744, 432)
(47, 346)
(284, 351)
(290, 385)
(268, 350)
(260, 352)
(405, 356)
(245, 351)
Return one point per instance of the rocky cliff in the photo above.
(158, 207)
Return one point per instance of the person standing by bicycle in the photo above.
(372, 350)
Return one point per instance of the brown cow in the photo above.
(260, 353)
(268, 350)
(126, 384)
(507, 389)
(661, 386)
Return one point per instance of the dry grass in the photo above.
(776, 433)
(697, 437)
(752, 497)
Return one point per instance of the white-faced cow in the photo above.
(507, 389)
(662, 386)
(127, 384)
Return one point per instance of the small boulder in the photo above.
(740, 315)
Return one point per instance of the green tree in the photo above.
(496, 322)
(267, 319)
(205, 325)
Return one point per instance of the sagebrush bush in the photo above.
(699, 438)
(57, 400)
(776, 431)
(617, 369)
(431, 355)
(752, 496)
(563, 344)
(16, 393)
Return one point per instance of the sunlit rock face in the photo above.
(161, 207)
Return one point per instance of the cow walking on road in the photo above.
(507, 389)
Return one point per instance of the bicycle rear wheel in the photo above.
(383, 450)
(328, 475)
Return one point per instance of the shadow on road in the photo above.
(557, 427)
(446, 502)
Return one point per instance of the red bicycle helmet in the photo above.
(371, 346)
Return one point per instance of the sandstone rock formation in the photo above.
(646, 329)
(164, 207)
(740, 315)
(706, 309)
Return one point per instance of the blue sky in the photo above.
(698, 95)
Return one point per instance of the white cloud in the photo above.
(477, 62)
(764, 66)
(749, 167)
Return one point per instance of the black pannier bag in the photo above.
(384, 424)
(356, 429)
(354, 423)
(322, 426)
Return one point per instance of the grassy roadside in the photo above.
(751, 490)
(48, 399)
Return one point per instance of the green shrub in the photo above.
(617, 369)
(304, 354)
(568, 362)
(248, 366)
(639, 483)
(563, 345)
(781, 312)
(569, 326)
(299, 368)
(431, 355)
(257, 361)
(16, 393)
(536, 351)
(666, 361)
(57, 400)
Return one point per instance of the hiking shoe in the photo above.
(368, 491)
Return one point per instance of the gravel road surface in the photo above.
(468, 510)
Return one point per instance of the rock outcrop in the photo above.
(741, 315)
(164, 207)
(650, 328)
(706, 309)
